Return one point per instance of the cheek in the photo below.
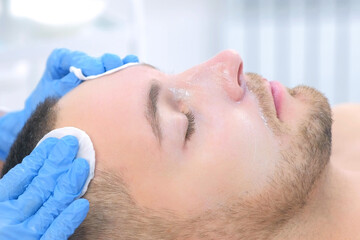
(239, 150)
(253, 147)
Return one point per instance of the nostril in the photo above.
(227, 67)
(240, 76)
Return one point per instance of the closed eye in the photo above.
(191, 125)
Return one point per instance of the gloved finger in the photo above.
(18, 178)
(111, 61)
(40, 188)
(67, 222)
(66, 84)
(60, 61)
(88, 65)
(68, 188)
(130, 59)
(54, 63)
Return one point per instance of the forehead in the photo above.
(117, 93)
(111, 110)
(133, 78)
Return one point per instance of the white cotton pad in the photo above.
(86, 149)
(78, 72)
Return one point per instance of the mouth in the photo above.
(260, 86)
(277, 92)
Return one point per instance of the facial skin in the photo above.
(242, 153)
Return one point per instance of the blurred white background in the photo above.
(312, 42)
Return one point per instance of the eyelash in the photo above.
(191, 126)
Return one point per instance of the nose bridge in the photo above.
(230, 61)
(222, 70)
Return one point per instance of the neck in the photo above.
(332, 211)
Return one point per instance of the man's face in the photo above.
(240, 146)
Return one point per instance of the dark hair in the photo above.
(40, 122)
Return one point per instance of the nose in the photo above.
(228, 66)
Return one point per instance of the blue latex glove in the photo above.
(37, 196)
(56, 82)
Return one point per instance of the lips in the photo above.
(277, 93)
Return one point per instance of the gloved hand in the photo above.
(56, 82)
(37, 195)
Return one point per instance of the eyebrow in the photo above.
(151, 111)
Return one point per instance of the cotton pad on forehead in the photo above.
(86, 149)
(79, 74)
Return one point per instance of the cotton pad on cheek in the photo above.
(86, 149)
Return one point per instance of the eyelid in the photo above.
(184, 108)
(191, 125)
(178, 100)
